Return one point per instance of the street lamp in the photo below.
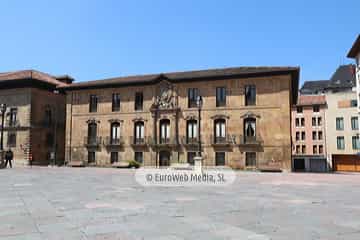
(2, 110)
(199, 103)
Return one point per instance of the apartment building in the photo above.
(34, 118)
(245, 118)
(308, 132)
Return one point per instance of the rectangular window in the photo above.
(297, 122)
(320, 135)
(297, 149)
(250, 95)
(139, 99)
(303, 122)
(299, 109)
(316, 108)
(355, 143)
(190, 158)
(353, 103)
(354, 123)
(321, 149)
(315, 149)
(297, 136)
(340, 142)
(220, 96)
(114, 157)
(319, 121)
(91, 157)
(313, 121)
(139, 157)
(339, 123)
(93, 103)
(220, 158)
(11, 141)
(303, 149)
(193, 94)
(116, 102)
(250, 159)
(13, 117)
(314, 135)
(302, 135)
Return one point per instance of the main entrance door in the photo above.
(164, 158)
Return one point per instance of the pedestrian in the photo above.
(9, 155)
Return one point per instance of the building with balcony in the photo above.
(244, 121)
(34, 124)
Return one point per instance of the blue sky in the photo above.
(99, 39)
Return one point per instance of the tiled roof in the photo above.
(344, 77)
(307, 100)
(30, 74)
(314, 87)
(355, 49)
(188, 75)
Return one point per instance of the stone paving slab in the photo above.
(96, 203)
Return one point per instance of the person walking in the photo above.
(9, 155)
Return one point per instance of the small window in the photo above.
(139, 157)
(303, 149)
(139, 132)
(116, 102)
(190, 158)
(355, 142)
(250, 159)
(11, 141)
(315, 149)
(321, 149)
(314, 135)
(13, 117)
(297, 149)
(340, 142)
(93, 103)
(139, 99)
(303, 122)
(319, 121)
(297, 122)
(250, 95)
(220, 96)
(302, 135)
(354, 123)
(299, 109)
(220, 158)
(353, 103)
(193, 94)
(297, 138)
(219, 130)
(339, 123)
(320, 135)
(313, 121)
(91, 157)
(316, 108)
(114, 157)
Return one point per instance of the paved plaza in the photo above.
(99, 203)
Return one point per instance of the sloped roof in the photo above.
(355, 49)
(308, 100)
(314, 87)
(30, 74)
(187, 75)
(343, 77)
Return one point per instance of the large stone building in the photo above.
(34, 121)
(153, 119)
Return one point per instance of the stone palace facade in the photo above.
(245, 118)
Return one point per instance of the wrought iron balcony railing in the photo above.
(111, 141)
(227, 140)
(189, 140)
(92, 141)
(250, 140)
(139, 141)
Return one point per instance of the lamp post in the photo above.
(3, 110)
(199, 103)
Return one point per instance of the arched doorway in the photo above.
(164, 158)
